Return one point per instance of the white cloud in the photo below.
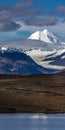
(58, 29)
(25, 30)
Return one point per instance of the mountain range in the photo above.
(52, 54)
(41, 53)
(14, 61)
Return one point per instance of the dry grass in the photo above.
(36, 93)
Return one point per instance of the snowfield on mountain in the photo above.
(44, 36)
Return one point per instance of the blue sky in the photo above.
(47, 4)
(20, 18)
(8, 2)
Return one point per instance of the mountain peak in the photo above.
(44, 36)
(45, 31)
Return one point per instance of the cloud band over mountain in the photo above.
(26, 10)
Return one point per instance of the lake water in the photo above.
(32, 122)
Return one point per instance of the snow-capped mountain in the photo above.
(44, 36)
(27, 44)
(50, 56)
(43, 54)
(33, 61)
(15, 61)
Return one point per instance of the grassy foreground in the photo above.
(35, 93)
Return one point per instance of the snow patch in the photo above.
(63, 57)
(39, 55)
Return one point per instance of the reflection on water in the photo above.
(32, 122)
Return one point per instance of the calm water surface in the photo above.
(32, 122)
